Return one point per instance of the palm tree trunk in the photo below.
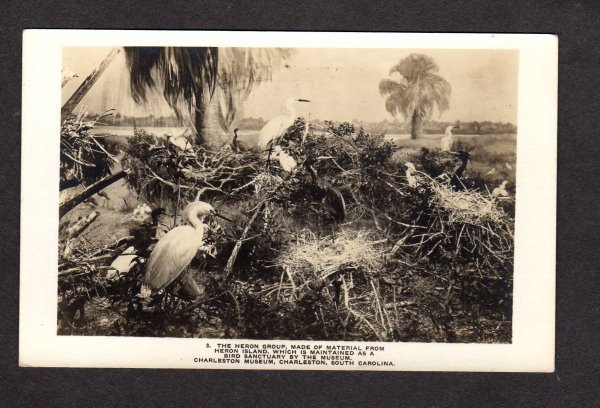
(207, 121)
(416, 130)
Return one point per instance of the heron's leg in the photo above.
(268, 165)
(332, 233)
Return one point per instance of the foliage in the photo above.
(84, 158)
(182, 74)
(189, 76)
(158, 170)
(424, 263)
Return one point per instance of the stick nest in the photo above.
(467, 206)
(310, 258)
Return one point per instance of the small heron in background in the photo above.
(180, 141)
(500, 191)
(411, 178)
(286, 162)
(277, 126)
(175, 250)
(447, 140)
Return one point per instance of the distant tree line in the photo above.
(400, 127)
(395, 126)
(139, 121)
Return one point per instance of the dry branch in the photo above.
(83, 89)
(89, 191)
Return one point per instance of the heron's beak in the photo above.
(303, 100)
(222, 216)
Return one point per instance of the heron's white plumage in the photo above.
(411, 178)
(276, 127)
(142, 213)
(176, 249)
(447, 141)
(286, 162)
(500, 191)
(181, 142)
(172, 254)
(122, 263)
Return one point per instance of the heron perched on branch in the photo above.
(276, 127)
(175, 250)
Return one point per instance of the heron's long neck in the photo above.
(462, 168)
(292, 110)
(195, 221)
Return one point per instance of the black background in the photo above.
(576, 380)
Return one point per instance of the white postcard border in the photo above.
(532, 348)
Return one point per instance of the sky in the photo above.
(342, 84)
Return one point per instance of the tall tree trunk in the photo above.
(207, 121)
(416, 130)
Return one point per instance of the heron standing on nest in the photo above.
(175, 250)
(276, 127)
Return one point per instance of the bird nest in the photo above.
(466, 206)
(342, 273)
(310, 258)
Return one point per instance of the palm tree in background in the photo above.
(418, 91)
(205, 86)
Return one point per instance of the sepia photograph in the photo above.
(318, 194)
(362, 196)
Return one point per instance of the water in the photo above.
(127, 131)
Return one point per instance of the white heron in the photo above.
(276, 127)
(286, 162)
(500, 191)
(175, 250)
(447, 140)
(180, 141)
(123, 263)
(411, 178)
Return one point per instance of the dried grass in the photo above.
(466, 206)
(311, 258)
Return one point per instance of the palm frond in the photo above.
(240, 71)
(183, 74)
(420, 89)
